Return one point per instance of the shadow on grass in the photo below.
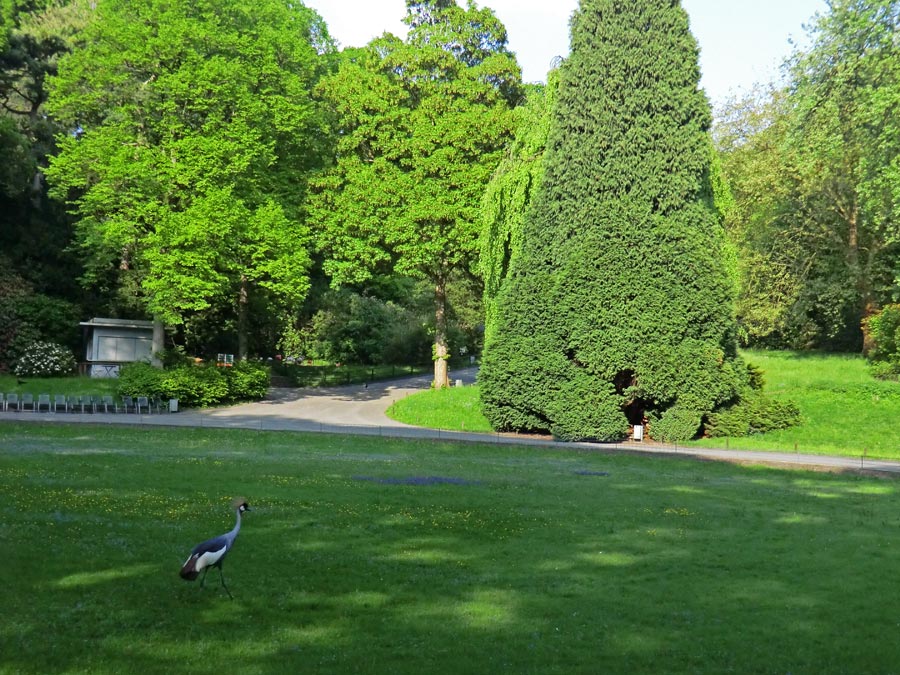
(662, 565)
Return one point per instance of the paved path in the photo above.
(360, 409)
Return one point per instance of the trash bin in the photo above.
(173, 405)
(639, 432)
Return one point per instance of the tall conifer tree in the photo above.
(620, 307)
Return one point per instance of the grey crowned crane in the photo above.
(212, 552)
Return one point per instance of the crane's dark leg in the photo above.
(222, 579)
(203, 578)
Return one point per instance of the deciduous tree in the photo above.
(190, 131)
(815, 170)
(512, 190)
(421, 124)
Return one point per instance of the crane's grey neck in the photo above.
(237, 526)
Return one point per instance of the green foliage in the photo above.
(756, 377)
(421, 124)
(176, 356)
(814, 169)
(15, 334)
(352, 328)
(884, 370)
(196, 130)
(511, 192)
(586, 409)
(247, 381)
(27, 317)
(195, 385)
(620, 303)
(331, 375)
(44, 359)
(53, 318)
(755, 413)
(882, 331)
(140, 379)
(35, 232)
(677, 424)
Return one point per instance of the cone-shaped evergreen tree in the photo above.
(620, 307)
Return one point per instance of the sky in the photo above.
(742, 42)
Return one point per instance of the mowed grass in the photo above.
(454, 409)
(65, 386)
(845, 411)
(366, 555)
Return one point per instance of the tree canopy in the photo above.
(189, 127)
(421, 124)
(220, 166)
(814, 169)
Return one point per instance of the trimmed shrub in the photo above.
(195, 385)
(623, 277)
(575, 412)
(44, 359)
(140, 379)
(755, 413)
(677, 424)
(247, 381)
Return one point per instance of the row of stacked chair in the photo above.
(81, 404)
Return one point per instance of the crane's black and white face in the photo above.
(244, 507)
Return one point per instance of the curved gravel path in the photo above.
(355, 405)
(360, 409)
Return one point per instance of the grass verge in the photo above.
(66, 386)
(453, 409)
(844, 410)
(390, 556)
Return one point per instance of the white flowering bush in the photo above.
(44, 359)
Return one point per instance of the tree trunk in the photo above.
(865, 300)
(158, 343)
(441, 351)
(243, 310)
(853, 239)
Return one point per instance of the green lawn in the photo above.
(845, 411)
(455, 409)
(67, 386)
(367, 555)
